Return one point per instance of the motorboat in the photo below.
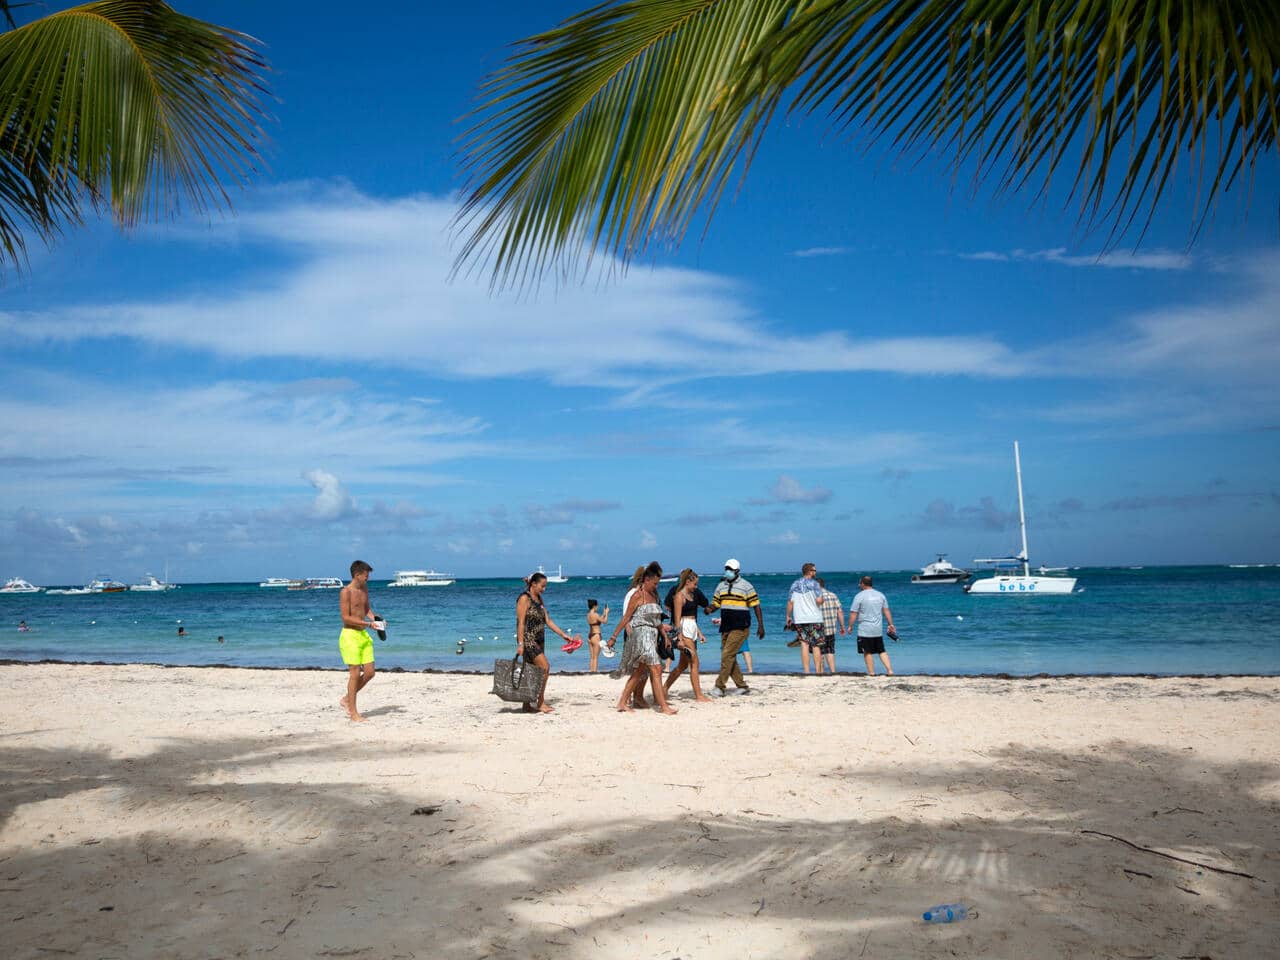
(1023, 584)
(18, 585)
(319, 583)
(941, 570)
(150, 584)
(279, 582)
(69, 591)
(422, 578)
(106, 585)
(557, 577)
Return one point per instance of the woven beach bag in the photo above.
(517, 682)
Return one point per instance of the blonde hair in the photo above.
(686, 575)
(637, 576)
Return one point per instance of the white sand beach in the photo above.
(200, 813)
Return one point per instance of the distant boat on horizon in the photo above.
(150, 584)
(941, 570)
(1003, 584)
(557, 577)
(422, 578)
(18, 585)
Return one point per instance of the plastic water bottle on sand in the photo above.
(946, 913)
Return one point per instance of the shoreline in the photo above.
(438, 671)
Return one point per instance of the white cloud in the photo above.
(820, 252)
(376, 273)
(789, 490)
(332, 502)
(787, 539)
(647, 540)
(1112, 260)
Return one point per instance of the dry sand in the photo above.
(148, 812)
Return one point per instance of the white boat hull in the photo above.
(1022, 585)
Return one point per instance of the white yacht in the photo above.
(281, 582)
(150, 584)
(106, 585)
(18, 585)
(1024, 583)
(557, 577)
(941, 570)
(322, 583)
(422, 578)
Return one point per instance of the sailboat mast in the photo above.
(1022, 515)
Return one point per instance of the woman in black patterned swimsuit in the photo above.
(531, 623)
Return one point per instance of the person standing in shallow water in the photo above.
(643, 617)
(532, 621)
(595, 621)
(869, 612)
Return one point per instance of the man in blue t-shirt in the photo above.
(804, 612)
(870, 612)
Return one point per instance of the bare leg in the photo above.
(637, 695)
(871, 664)
(630, 687)
(593, 643)
(348, 702)
(695, 675)
(680, 668)
(659, 691)
(888, 667)
(817, 660)
(831, 662)
(541, 661)
(747, 657)
(804, 657)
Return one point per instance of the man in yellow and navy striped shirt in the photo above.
(735, 598)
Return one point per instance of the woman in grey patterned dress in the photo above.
(640, 655)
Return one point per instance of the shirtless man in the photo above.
(354, 643)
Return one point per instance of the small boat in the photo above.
(421, 578)
(106, 585)
(18, 585)
(150, 584)
(69, 591)
(941, 570)
(557, 577)
(279, 582)
(1024, 584)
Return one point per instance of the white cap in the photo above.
(732, 564)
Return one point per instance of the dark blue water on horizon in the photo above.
(1153, 620)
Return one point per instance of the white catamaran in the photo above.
(1024, 583)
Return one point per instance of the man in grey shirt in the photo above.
(870, 612)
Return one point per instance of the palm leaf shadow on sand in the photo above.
(362, 874)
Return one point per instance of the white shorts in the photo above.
(689, 628)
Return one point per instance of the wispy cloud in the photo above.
(821, 252)
(384, 266)
(787, 489)
(1110, 260)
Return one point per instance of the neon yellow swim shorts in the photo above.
(356, 647)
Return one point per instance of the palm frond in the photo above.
(128, 105)
(612, 131)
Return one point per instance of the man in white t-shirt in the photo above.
(804, 612)
(870, 611)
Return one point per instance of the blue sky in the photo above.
(834, 372)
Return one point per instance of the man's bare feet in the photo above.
(640, 703)
(670, 710)
(546, 708)
(355, 717)
(702, 699)
(623, 708)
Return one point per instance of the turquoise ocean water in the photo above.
(1156, 620)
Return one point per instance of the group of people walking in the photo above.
(654, 638)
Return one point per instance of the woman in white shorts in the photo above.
(684, 609)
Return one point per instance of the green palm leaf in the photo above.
(614, 130)
(126, 105)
